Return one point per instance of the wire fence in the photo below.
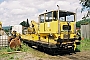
(3, 40)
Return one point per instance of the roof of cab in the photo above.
(61, 11)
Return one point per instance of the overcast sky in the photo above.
(12, 12)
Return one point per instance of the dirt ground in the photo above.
(85, 55)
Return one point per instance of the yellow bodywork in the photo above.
(49, 27)
(48, 31)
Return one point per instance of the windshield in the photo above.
(67, 18)
(70, 18)
(64, 15)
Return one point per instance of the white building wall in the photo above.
(17, 28)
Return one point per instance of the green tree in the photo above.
(78, 24)
(23, 23)
(86, 5)
(6, 30)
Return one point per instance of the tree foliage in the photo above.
(6, 30)
(86, 21)
(25, 23)
(86, 5)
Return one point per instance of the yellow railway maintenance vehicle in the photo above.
(56, 31)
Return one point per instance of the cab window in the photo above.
(42, 18)
(55, 15)
(70, 18)
(48, 17)
(66, 16)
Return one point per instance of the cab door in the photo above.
(48, 20)
(41, 23)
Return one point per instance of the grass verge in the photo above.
(25, 48)
(85, 45)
